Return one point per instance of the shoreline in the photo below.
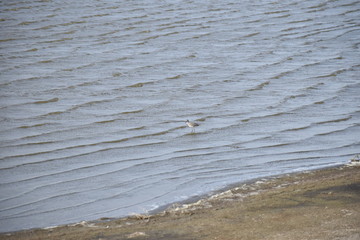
(257, 209)
(185, 202)
(231, 186)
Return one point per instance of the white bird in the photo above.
(191, 124)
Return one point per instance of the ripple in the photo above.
(259, 86)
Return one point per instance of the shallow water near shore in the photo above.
(319, 204)
(94, 97)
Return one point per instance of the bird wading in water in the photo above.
(191, 125)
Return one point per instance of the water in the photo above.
(95, 95)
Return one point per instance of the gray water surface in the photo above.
(94, 96)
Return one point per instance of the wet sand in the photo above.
(321, 204)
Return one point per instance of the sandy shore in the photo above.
(321, 204)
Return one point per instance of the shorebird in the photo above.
(191, 124)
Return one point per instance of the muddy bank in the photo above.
(321, 204)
